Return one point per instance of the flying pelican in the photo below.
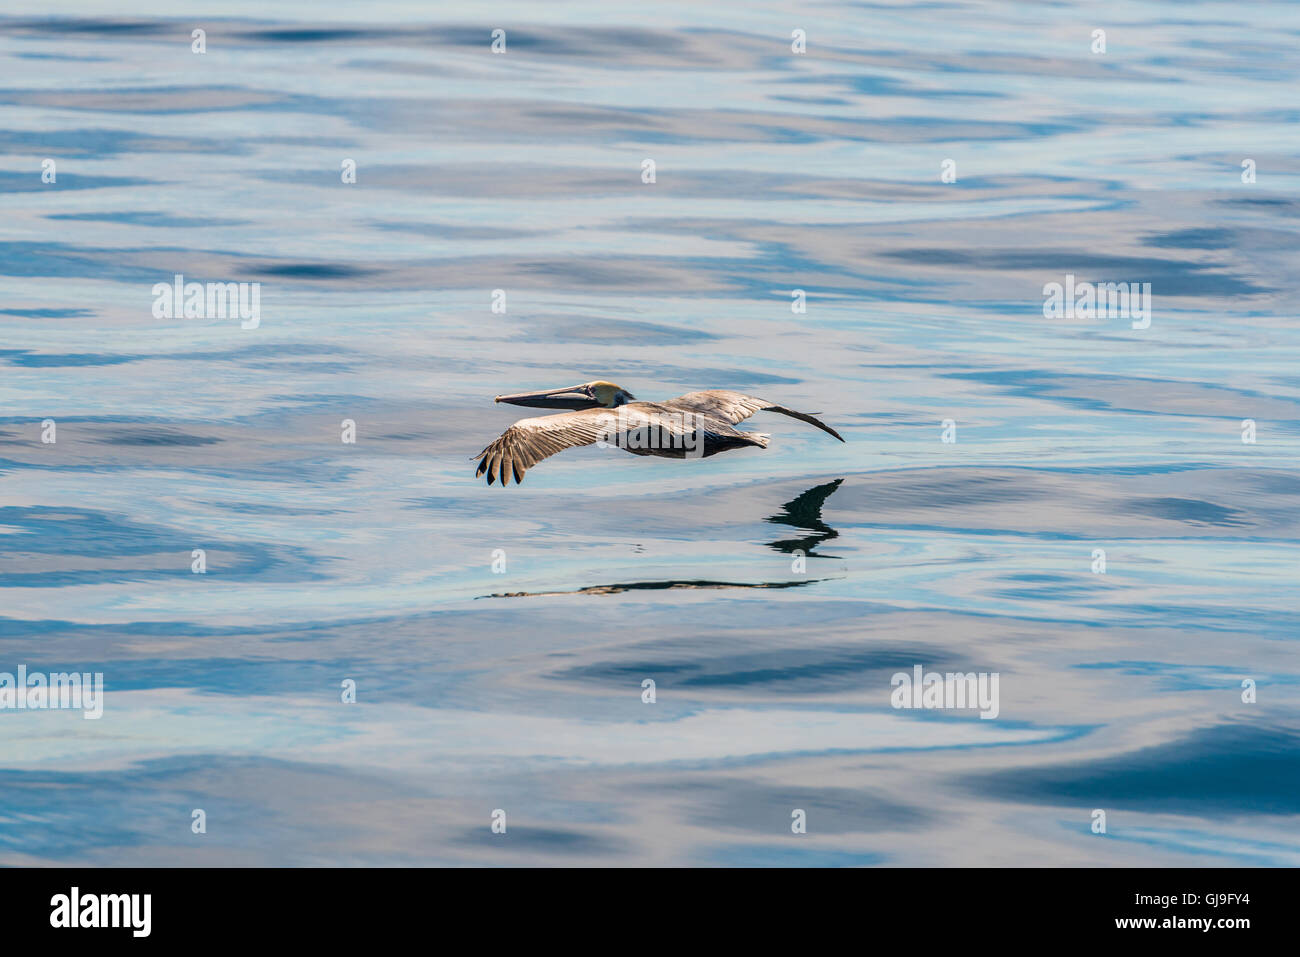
(695, 425)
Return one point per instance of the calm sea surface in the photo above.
(519, 688)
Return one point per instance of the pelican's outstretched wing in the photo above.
(735, 407)
(528, 441)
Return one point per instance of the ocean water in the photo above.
(498, 639)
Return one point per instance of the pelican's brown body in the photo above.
(695, 425)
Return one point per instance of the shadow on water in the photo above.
(651, 586)
(804, 511)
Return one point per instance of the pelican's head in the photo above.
(589, 395)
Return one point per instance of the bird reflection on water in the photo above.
(804, 511)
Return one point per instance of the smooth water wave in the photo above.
(521, 688)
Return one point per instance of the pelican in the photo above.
(695, 425)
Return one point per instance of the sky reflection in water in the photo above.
(522, 691)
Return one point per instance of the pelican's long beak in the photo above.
(572, 397)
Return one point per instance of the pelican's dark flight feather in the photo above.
(736, 407)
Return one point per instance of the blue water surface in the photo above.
(499, 640)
